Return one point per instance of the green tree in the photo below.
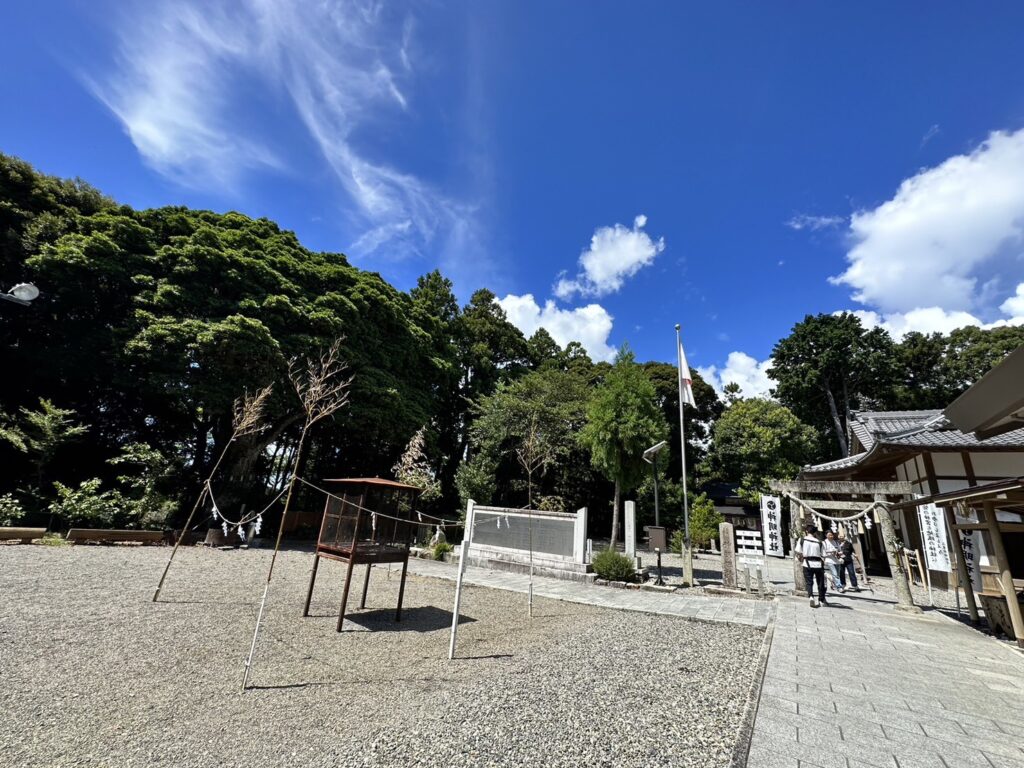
(704, 521)
(40, 434)
(972, 352)
(828, 366)
(699, 419)
(525, 435)
(623, 420)
(754, 441)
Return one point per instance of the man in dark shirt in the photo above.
(847, 566)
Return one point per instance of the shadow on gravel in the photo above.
(422, 619)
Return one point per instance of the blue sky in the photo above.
(607, 169)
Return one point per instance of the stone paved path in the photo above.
(726, 609)
(860, 684)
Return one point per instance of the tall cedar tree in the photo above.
(623, 420)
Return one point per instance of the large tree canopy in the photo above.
(754, 441)
(828, 366)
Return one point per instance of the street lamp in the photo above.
(651, 457)
(23, 294)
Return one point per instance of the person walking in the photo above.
(833, 560)
(808, 549)
(848, 566)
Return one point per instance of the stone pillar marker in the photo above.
(630, 528)
(798, 519)
(725, 535)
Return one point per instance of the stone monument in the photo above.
(725, 536)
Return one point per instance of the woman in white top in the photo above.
(833, 560)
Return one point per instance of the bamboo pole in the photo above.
(184, 531)
(273, 557)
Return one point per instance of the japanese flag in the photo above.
(685, 382)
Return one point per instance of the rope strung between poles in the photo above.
(441, 522)
(863, 514)
(236, 525)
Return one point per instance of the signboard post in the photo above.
(771, 522)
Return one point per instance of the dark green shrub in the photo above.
(611, 566)
(441, 549)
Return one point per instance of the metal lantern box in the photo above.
(366, 521)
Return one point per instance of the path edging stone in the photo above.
(741, 751)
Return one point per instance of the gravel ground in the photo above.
(95, 674)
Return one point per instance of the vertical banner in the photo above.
(970, 544)
(933, 538)
(771, 521)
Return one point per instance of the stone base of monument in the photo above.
(518, 561)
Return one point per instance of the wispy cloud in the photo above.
(615, 253)
(169, 90)
(185, 70)
(803, 221)
(930, 134)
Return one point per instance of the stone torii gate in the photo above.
(807, 496)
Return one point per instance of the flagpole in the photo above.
(686, 554)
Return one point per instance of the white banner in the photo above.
(933, 538)
(771, 520)
(970, 544)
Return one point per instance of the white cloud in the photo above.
(1014, 306)
(184, 84)
(803, 221)
(169, 93)
(615, 253)
(741, 368)
(939, 320)
(930, 134)
(946, 238)
(590, 325)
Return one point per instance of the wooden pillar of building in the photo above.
(904, 598)
(962, 576)
(1005, 577)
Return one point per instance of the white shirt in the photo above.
(810, 548)
(833, 552)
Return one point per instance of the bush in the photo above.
(87, 506)
(11, 510)
(611, 566)
(704, 522)
(441, 549)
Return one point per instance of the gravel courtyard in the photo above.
(94, 674)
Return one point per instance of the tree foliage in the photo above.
(754, 441)
(623, 420)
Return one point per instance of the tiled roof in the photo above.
(832, 466)
(953, 438)
(925, 430)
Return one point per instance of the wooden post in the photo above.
(904, 598)
(961, 568)
(1005, 577)
(463, 557)
(312, 581)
